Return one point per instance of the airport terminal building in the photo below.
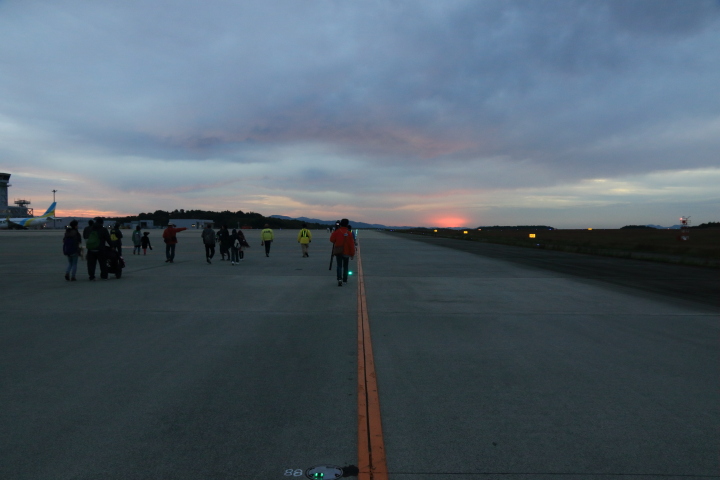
(190, 223)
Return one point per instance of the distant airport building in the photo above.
(62, 223)
(191, 223)
(83, 222)
(144, 224)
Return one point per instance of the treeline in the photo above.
(708, 225)
(702, 225)
(231, 219)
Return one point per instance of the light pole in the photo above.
(54, 202)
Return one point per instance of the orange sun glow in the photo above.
(449, 222)
(88, 213)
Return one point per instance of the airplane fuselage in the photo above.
(30, 222)
(22, 223)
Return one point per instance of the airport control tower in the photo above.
(4, 184)
(21, 210)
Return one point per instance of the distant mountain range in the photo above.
(377, 225)
(332, 222)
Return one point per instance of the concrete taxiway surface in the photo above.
(487, 368)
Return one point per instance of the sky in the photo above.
(569, 113)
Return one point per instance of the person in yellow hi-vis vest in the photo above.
(267, 238)
(304, 238)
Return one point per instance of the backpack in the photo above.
(208, 237)
(341, 241)
(93, 240)
(339, 245)
(70, 245)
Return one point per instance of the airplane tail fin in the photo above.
(50, 211)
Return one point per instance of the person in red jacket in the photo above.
(343, 249)
(170, 239)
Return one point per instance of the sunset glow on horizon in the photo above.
(449, 222)
(90, 214)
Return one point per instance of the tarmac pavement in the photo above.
(175, 371)
(487, 368)
(491, 368)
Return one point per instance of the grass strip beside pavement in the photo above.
(658, 245)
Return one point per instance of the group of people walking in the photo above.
(101, 244)
(231, 244)
(140, 240)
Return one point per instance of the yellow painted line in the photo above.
(371, 445)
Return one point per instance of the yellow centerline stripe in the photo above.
(371, 445)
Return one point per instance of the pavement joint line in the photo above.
(371, 445)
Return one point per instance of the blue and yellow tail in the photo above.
(50, 211)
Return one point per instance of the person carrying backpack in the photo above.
(86, 230)
(241, 243)
(223, 236)
(72, 242)
(234, 247)
(96, 241)
(208, 238)
(116, 236)
(267, 237)
(343, 250)
(137, 240)
(304, 239)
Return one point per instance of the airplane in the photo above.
(25, 223)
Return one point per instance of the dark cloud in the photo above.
(569, 90)
(664, 17)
